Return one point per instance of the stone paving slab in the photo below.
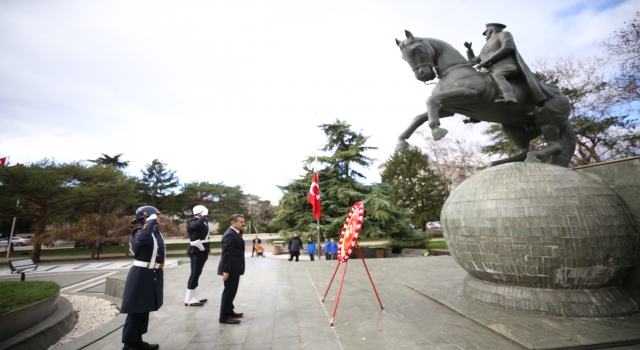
(283, 307)
(443, 283)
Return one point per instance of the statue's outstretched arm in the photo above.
(470, 54)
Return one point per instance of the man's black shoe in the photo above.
(140, 346)
(230, 321)
(237, 314)
(146, 346)
(201, 303)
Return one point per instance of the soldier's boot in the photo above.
(195, 292)
(505, 90)
(190, 299)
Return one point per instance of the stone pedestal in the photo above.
(541, 238)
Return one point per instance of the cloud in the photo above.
(233, 92)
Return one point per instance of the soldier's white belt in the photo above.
(198, 243)
(148, 265)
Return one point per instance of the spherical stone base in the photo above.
(602, 302)
(539, 226)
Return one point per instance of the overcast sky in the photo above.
(233, 91)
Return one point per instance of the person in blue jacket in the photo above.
(334, 249)
(327, 249)
(143, 290)
(311, 248)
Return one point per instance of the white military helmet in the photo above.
(199, 209)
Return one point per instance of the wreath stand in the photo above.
(349, 241)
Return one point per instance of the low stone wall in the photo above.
(44, 333)
(372, 253)
(114, 286)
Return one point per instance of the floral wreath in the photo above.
(350, 231)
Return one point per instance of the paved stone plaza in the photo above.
(424, 308)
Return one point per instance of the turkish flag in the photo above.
(3, 161)
(314, 196)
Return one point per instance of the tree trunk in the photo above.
(37, 247)
(93, 252)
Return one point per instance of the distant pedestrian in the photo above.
(311, 248)
(256, 241)
(334, 249)
(295, 245)
(327, 249)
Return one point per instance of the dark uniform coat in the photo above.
(198, 229)
(232, 259)
(143, 289)
(504, 41)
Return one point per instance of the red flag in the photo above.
(314, 196)
(3, 161)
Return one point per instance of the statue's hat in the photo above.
(499, 25)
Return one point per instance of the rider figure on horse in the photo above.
(501, 60)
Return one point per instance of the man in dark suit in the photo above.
(231, 267)
(198, 251)
(143, 289)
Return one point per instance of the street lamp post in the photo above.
(102, 184)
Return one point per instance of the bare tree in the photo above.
(453, 159)
(602, 133)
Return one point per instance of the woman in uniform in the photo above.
(144, 286)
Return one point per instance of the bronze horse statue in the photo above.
(463, 90)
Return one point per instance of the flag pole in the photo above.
(315, 168)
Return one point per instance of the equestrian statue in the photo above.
(503, 91)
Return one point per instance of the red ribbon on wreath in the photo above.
(350, 231)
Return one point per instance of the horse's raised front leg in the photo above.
(415, 124)
(436, 101)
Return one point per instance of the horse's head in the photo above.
(419, 54)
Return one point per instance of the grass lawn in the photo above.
(18, 294)
(437, 245)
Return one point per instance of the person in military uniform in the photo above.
(198, 251)
(143, 289)
(231, 267)
(501, 60)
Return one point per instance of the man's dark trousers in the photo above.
(229, 293)
(197, 263)
(134, 327)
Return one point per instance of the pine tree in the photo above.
(157, 184)
(115, 161)
(347, 147)
(415, 186)
(339, 190)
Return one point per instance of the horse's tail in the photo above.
(568, 142)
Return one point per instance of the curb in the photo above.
(45, 333)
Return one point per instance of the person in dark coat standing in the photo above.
(143, 290)
(198, 251)
(295, 245)
(231, 267)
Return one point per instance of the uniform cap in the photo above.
(499, 25)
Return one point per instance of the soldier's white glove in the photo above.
(152, 217)
(197, 244)
(205, 212)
